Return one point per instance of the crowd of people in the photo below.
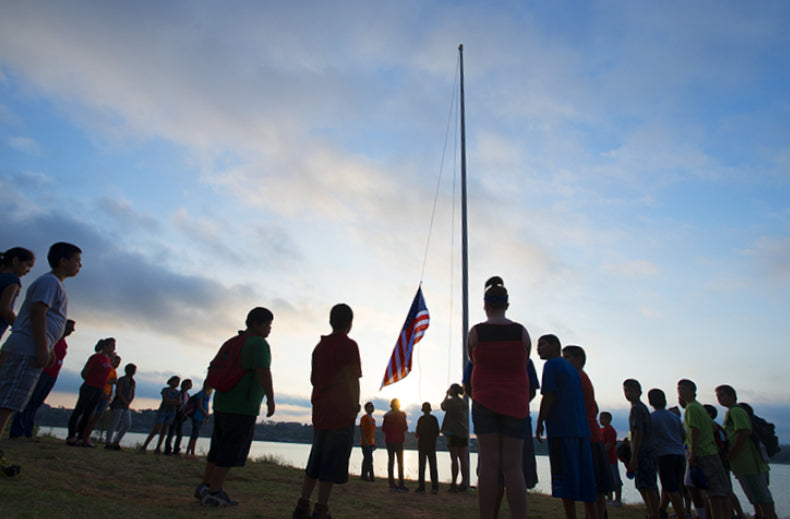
(500, 379)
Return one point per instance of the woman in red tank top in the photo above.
(499, 350)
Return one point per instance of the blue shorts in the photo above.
(231, 439)
(329, 454)
(102, 405)
(572, 475)
(165, 416)
(18, 378)
(487, 421)
(670, 471)
(645, 477)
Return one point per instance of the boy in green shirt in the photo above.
(236, 410)
(703, 454)
(746, 461)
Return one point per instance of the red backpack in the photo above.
(225, 371)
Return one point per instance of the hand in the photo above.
(269, 407)
(539, 431)
(42, 358)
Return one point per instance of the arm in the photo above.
(741, 437)
(546, 403)
(6, 312)
(637, 437)
(471, 343)
(38, 324)
(693, 440)
(265, 378)
(87, 369)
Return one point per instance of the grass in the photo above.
(58, 481)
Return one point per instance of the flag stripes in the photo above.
(417, 322)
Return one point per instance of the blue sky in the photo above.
(628, 177)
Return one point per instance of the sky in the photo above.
(628, 176)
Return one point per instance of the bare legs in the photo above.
(497, 451)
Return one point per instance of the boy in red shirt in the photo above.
(335, 378)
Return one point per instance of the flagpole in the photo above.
(464, 242)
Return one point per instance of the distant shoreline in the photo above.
(282, 432)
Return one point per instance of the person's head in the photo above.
(259, 321)
(105, 346)
(369, 408)
(65, 258)
(69, 329)
(173, 381)
(549, 346)
(605, 417)
(575, 355)
(687, 391)
(495, 298)
(632, 390)
(726, 395)
(130, 369)
(456, 390)
(657, 398)
(116, 361)
(186, 384)
(675, 410)
(493, 280)
(712, 411)
(341, 317)
(426, 407)
(395, 404)
(17, 261)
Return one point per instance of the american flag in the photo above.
(413, 329)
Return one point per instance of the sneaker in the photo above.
(88, 444)
(218, 498)
(402, 489)
(108, 447)
(434, 491)
(9, 469)
(393, 489)
(201, 490)
(420, 490)
(301, 513)
(616, 504)
(71, 442)
(453, 488)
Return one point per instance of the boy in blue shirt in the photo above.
(562, 409)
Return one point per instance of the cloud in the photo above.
(633, 269)
(772, 256)
(24, 144)
(121, 288)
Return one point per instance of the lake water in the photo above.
(295, 454)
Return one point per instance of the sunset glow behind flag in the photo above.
(413, 329)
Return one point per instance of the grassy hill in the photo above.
(58, 481)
